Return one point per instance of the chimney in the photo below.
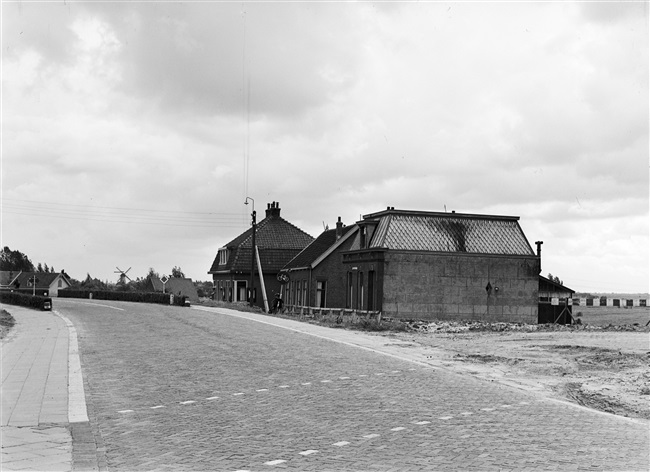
(539, 253)
(273, 210)
(339, 229)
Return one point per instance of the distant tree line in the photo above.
(16, 261)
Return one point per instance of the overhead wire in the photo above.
(122, 215)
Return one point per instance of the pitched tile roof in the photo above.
(277, 240)
(449, 232)
(176, 284)
(317, 247)
(8, 276)
(44, 279)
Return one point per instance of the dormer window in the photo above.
(363, 233)
(223, 256)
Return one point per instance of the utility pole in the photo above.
(254, 224)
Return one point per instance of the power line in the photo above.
(108, 219)
(58, 204)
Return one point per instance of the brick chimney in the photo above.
(273, 210)
(339, 228)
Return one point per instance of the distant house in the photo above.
(317, 277)
(277, 240)
(7, 278)
(176, 285)
(430, 265)
(47, 283)
(554, 302)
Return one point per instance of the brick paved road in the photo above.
(172, 388)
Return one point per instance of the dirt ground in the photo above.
(598, 364)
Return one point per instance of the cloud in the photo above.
(333, 109)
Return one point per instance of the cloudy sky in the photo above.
(133, 132)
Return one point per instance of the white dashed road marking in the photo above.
(262, 390)
(445, 417)
(156, 407)
(125, 411)
(276, 462)
(370, 436)
(422, 422)
(212, 398)
(399, 428)
(188, 402)
(308, 452)
(341, 443)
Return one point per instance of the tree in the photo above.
(46, 269)
(15, 261)
(93, 284)
(552, 278)
(39, 267)
(177, 272)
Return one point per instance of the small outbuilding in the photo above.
(554, 302)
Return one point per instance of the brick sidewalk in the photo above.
(43, 420)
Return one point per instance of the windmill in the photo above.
(123, 276)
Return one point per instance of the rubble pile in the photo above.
(484, 326)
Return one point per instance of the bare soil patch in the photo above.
(600, 367)
(6, 323)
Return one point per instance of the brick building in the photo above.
(429, 265)
(277, 241)
(317, 276)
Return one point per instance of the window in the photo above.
(359, 303)
(371, 290)
(60, 283)
(299, 293)
(348, 295)
(305, 300)
(362, 237)
(321, 286)
(223, 255)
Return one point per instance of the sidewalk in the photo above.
(42, 393)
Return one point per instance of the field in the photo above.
(603, 316)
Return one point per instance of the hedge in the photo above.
(27, 300)
(41, 292)
(141, 297)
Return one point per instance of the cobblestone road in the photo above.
(172, 388)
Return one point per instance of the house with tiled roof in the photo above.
(277, 240)
(182, 286)
(47, 283)
(430, 265)
(316, 276)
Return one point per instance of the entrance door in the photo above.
(241, 291)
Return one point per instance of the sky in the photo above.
(132, 132)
